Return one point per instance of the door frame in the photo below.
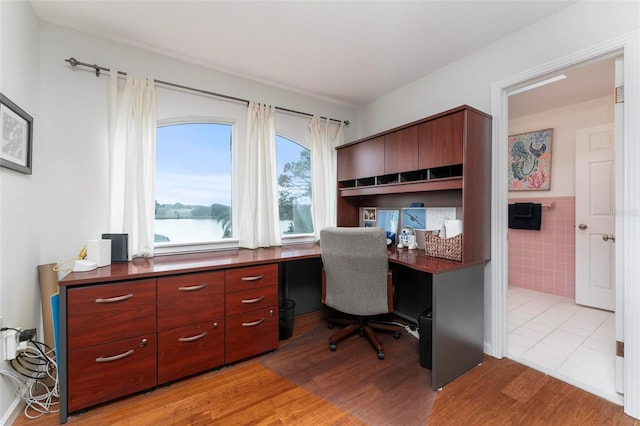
(627, 202)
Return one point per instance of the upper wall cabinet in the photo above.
(401, 150)
(441, 141)
(363, 159)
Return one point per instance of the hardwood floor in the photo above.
(498, 392)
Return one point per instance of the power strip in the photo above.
(412, 330)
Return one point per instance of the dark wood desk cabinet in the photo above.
(130, 326)
(441, 161)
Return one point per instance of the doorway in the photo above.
(547, 331)
(629, 201)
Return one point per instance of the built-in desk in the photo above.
(453, 290)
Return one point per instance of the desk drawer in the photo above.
(105, 372)
(251, 333)
(251, 300)
(251, 277)
(190, 299)
(103, 313)
(189, 350)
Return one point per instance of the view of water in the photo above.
(189, 230)
(194, 230)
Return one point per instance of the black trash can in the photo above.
(424, 331)
(287, 307)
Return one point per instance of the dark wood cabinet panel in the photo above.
(251, 277)
(401, 150)
(361, 160)
(104, 313)
(188, 350)
(251, 300)
(441, 141)
(251, 333)
(190, 299)
(105, 372)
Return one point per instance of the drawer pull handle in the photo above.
(253, 324)
(115, 299)
(192, 338)
(115, 357)
(192, 287)
(253, 278)
(256, 300)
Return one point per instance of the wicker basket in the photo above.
(446, 248)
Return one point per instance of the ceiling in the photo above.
(350, 52)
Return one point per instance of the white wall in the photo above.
(468, 80)
(564, 122)
(20, 196)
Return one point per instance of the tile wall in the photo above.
(545, 260)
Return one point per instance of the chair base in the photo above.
(364, 327)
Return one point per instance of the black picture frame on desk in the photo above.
(16, 136)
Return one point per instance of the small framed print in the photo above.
(415, 217)
(16, 127)
(369, 214)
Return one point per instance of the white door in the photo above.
(595, 217)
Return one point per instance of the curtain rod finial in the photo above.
(72, 61)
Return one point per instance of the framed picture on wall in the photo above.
(530, 161)
(16, 128)
(388, 220)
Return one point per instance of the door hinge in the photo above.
(620, 94)
(620, 349)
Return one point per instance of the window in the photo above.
(294, 187)
(193, 183)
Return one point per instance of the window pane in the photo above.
(294, 187)
(193, 183)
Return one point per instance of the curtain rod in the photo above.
(74, 62)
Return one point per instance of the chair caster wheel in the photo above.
(396, 334)
(361, 332)
(332, 346)
(380, 355)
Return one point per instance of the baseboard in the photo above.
(12, 412)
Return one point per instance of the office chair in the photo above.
(356, 281)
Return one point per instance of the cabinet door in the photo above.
(251, 300)
(251, 333)
(251, 277)
(401, 150)
(105, 372)
(190, 299)
(189, 350)
(103, 313)
(361, 160)
(441, 141)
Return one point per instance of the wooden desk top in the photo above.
(223, 259)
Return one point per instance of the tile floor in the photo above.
(572, 343)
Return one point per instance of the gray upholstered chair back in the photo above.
(355, 264)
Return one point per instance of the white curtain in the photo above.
(325, 137)
(258, 201)
(132, 141)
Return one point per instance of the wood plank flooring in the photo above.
(499, 392)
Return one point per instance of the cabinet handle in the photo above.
(254, 278)
(256, 300)
(192, 338)
(192, 287)
(115, 357)
(115, 299)
(253, 324)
